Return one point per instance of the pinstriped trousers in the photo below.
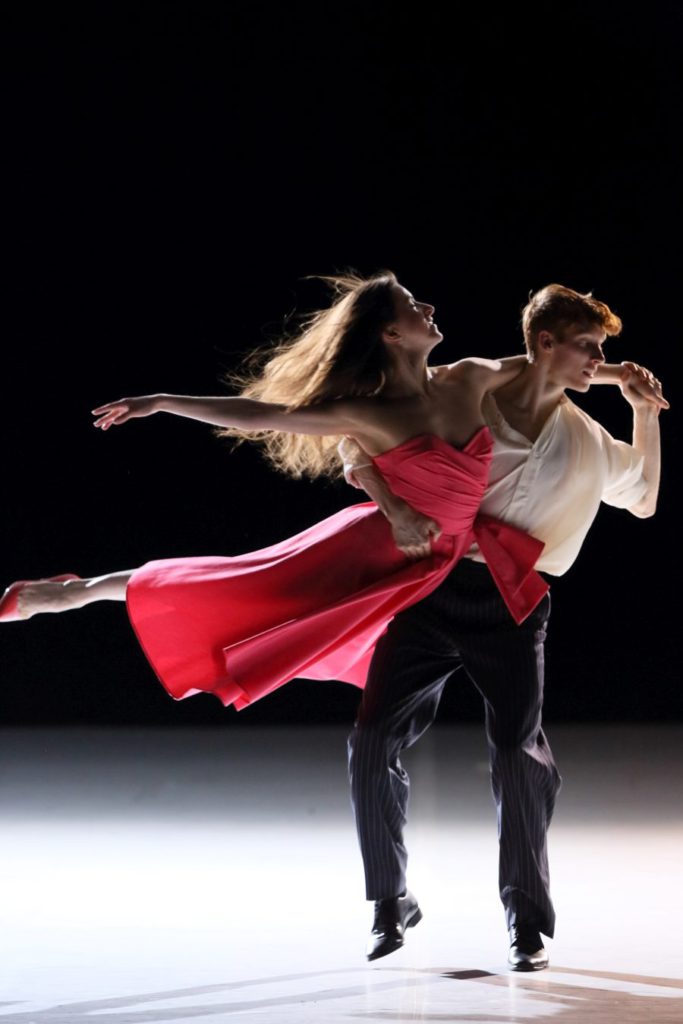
(463, 624)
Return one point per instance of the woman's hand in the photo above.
(113, 414)
(640, 387)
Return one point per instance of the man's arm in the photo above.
(646, 441)
(643, 391)
(413, 532)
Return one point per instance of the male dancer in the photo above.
(552, 465)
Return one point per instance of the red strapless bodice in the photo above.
(439, 480)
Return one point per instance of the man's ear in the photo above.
(545, 341)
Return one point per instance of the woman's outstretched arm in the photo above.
(341, 417)
(638, 378)
(491, 374)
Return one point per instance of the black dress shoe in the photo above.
(392, 917)
(526, 949)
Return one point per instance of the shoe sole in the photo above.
(526, 967)
(414, 919)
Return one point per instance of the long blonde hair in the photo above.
(337, 353)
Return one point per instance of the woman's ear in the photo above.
(391, 335)
(545, 341)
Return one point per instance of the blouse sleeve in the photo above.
(624, 483)
(353, 457)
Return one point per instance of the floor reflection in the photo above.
(178, 877)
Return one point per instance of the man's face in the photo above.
(574, 357)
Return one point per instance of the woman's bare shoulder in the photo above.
(481, 374)
(472, 366)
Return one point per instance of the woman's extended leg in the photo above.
(37, 596)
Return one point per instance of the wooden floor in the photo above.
(185, 876)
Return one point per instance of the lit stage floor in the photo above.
(182, 876)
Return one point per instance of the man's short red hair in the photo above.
(554, 308)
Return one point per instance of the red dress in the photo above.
(314, 605)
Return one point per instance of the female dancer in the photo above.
(314, 605)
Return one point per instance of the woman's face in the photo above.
(413, 326)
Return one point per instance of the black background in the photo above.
(172, 173)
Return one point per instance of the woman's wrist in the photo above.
(609, 373)
(162, 403)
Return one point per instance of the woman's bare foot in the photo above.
(48, 596)
(26, 598)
